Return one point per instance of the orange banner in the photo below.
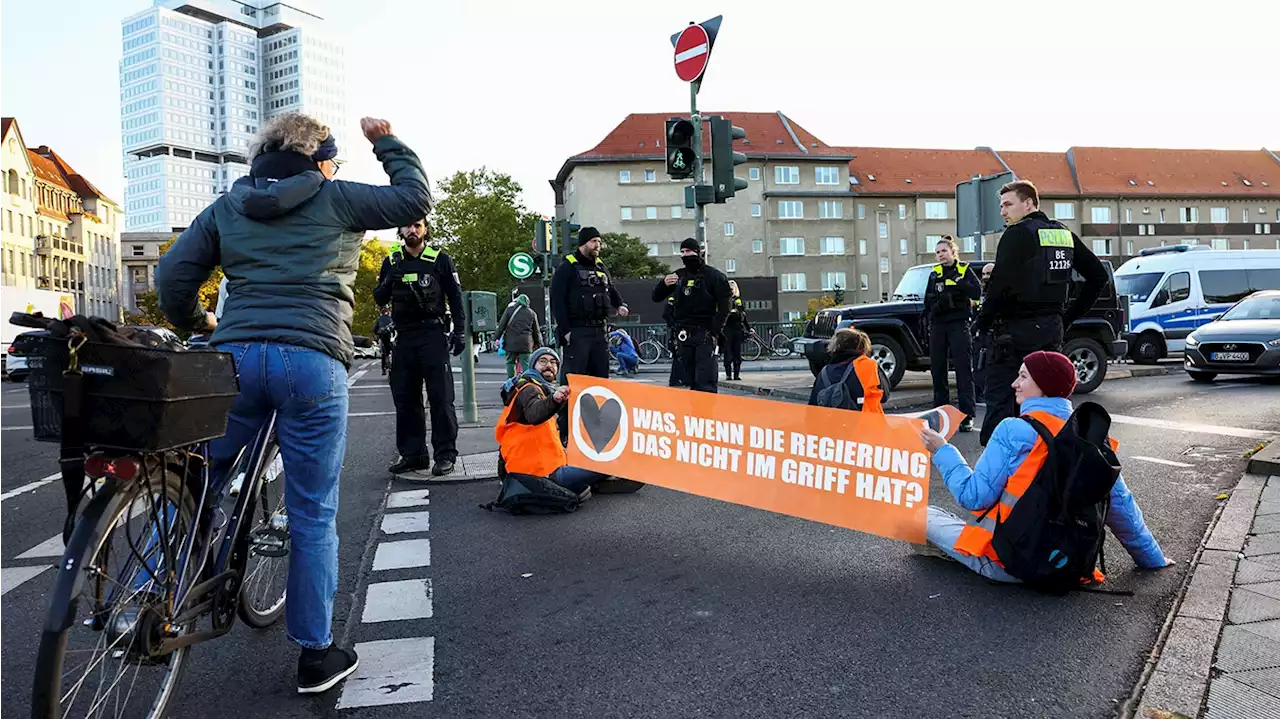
(867, 472)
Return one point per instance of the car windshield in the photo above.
(1254, 308)
(912, 284)
(1138, 286)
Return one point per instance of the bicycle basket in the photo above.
(135, 398)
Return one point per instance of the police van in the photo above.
(1174, 290)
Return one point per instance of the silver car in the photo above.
(1243, 340)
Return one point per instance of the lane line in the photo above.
(370, 414)
(397, 601)
(16, 406)
(392, 671)
(14, 577)
(1167, 462)
(14, 428)
(406, 522)
(30, 486)
(1193, 427)
(404, 554)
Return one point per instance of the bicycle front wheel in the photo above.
(751, 349)
(781, 345)
(649, 351)
(128, 562)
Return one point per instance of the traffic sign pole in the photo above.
(699, 178)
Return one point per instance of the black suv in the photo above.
(899, 343)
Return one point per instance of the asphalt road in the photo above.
(660, 604)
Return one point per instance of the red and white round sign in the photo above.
(693, 49)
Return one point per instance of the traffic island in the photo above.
(469, 468)
(1265, 460)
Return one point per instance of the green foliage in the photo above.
(372, 253)
(627, 257)
(149, 302)
(817, 305)
(480, 222)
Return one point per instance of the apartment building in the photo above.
(197, 80)
(19, 264)
(139, 255)
(818, 216)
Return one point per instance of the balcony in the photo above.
(44, 245)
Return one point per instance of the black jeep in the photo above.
(899, 342)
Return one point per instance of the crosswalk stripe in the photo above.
(392, 671)
(397, 601)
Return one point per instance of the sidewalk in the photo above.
(1219, 655)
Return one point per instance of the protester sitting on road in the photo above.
(1043, 388)
(520, 335)
(850, 367)
(624, 349)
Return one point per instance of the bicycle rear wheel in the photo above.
(751, 349)
(262, 594)
(649, 351)
(129, 577)
(781, 345)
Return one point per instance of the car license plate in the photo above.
(1229, 356)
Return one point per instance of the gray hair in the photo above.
(290, 132)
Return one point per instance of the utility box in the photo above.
(482, 311)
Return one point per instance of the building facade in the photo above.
(197, 80)
(19, 263)
(139, 255)
(829, 220)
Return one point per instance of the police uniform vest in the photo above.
(418, 296)
(532, 449)
(947, 293)
(975, 538)
(1046, 279)
(590, 301)
(695, 306)
(737, 315)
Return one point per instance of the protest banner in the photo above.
(863, 471)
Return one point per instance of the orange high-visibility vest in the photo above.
(975, 538)
(868, 372)
(528, 448)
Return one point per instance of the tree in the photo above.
(817, 305)
(372, 253)
(480, 222)
(838, 295)
(149, 302)
(627, 257)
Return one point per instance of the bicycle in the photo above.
(753, 346)
(143, 618)
(651, 351)
(390, 345)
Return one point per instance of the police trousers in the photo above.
(697, 360)
(951, 340)
(423, 358)
(732, 350)
(1019, 338)
(676, 378)
(588, 354)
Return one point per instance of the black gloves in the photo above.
(456, 344)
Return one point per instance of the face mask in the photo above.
(692, 262)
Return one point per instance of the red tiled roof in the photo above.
(78, 183)
(50, 212)
(1048, 171)
(47, 170)
(1148, 172)
(5, 122)
(900, 170)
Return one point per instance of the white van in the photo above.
(1174, 290)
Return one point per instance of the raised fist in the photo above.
(374, 129)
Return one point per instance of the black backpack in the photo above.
(837, 395)
(1053, 537)
(527, 494)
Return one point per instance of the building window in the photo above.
(791, 246)
(1100, 215)
(755, 209)
(789, 175)
(1244, 215)
(139, 275)
(832, 246)
(864, 283)
(1191, 242)
(862, 247)
(675, 212)
(1102, 248)
(884, 230)
(1220, 243)
(650, 176)
(730, 266)
(757, 246)
(793, 316)
(935, 209)
(653, 249)
(929, 244)
(903, 247)
(1218, 215)
(626, 213)
(1064, 211)
(1128, 247)
(1257, 229)
(139, 251)
(1128, 215)
(650, 213)
(826, 175)
(624, 176)
(862, 212)
(902, 212)
(792, 282)
(970, 244)
(728, 229)
(790, 210)
(754, 173)
(1188, 215)
(832, 281)
(1246, 245)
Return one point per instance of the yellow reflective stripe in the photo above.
(937, 270)
(431, 253)
(1053, 237)
(949, 282)
(410, 277)
(572, 260)
(962, 267)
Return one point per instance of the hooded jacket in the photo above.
(289, 242)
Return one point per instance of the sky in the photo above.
(518, 86)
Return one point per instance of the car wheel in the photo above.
(1205, 377)
(1148, 348)
(1090, 361)
(889, 355)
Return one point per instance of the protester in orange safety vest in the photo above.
(848, 361)
(1006, 468)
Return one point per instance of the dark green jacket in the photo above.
(290, 249)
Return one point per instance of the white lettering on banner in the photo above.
(651, 445)
(654, 420)
(708, 455)
(714, 430)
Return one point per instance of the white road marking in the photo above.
(30, 486)
(355, 376)
(12, 428)
(13, 577)
(406, 522)
(392, 671)
(51, 547)
(402, 555)
(1193, 427)
(1157, 460)
(17, 406)
(409, 498)
(397, 601)
(370, 414)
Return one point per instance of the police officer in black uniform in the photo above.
(702, 297)
(1025, 308)
(736, 329)
(949, 298)
(676, 379)
(418, 281)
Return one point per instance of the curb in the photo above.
(897, 400)
(1178, 669)
(469, 468)
(1266, 460)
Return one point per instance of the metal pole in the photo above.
(977, 247)
(470, 414)
(699, 214)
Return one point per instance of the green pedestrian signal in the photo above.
(681, 154)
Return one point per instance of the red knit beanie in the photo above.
(1052, 372)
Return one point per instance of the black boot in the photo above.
(319, 670)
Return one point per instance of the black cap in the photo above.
(586, 235)
(690, 244)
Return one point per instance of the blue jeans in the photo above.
(575, 479)
(943, 529)
(308, 391)
(628, 361)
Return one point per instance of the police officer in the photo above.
(981, 342)
(736, 328)
(702, 297)
(949, 298)
(1025, 308)
(418, 281)
(382, 329)
(669, 319)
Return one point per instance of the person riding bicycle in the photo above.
(624, 349)
(288, 238)
(383, 328)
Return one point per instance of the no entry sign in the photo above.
(693, 49)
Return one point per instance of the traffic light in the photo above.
(541, 234)
(565, 231)
(681, 154)
(724, 159)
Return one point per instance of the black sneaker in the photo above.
(443, 467)
(409, 464)
(321, 675)
(966, 425)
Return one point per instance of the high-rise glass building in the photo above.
(197, 80)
